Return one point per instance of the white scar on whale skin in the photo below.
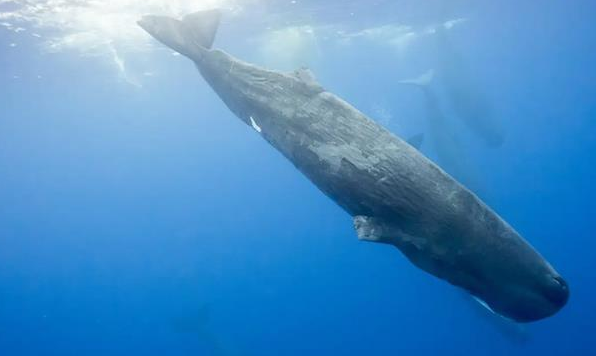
(487, 307)
(255, 126)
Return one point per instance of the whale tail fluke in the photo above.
(203, 26)
(422, 81)
(189, 36)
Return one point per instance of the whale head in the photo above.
(526, 290)
(543, 297)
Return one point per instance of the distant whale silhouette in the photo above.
(449, 152)
(395, 194)
(467, 99)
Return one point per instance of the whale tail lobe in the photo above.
(189, 36)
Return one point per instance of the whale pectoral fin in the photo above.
(373, 230)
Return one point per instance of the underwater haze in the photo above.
(139, 216)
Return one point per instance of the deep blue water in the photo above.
(151, 221)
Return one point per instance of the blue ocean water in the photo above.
(139, 216)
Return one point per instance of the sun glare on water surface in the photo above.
(95, 28)
(107, 29)
(92, 26)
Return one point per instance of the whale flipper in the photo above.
(374, 229)
(378, 230)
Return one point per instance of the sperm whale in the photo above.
(394, 193)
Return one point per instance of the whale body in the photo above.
(394, 193)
